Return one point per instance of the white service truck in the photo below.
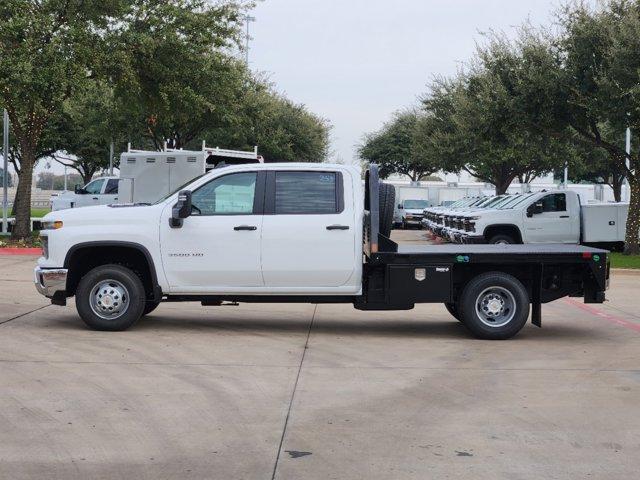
(147, 175)
(99, 191)
(554, 216)
(294, 232)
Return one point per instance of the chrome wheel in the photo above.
(502, 242)
(495, 306)
(109, 299)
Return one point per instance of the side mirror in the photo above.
(400, 207)
(181, 210)
(79, 189)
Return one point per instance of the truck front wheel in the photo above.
(110, 297)
(494, 306)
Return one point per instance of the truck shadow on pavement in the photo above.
(433, 327)
(428, 328)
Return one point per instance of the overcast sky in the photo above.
(355, 62)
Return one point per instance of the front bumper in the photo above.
(50, 281)
(415, 220)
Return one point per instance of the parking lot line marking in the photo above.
(23, 314)
(604, 315)
(293, 393)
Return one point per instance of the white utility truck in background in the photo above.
(410, 212)
(297, 233)
(147, 175)
(99, 191)
(554, 216)
(417, 198)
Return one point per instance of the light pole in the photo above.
(247, 19)
(628, 161)
(111, 158)
(5, 173)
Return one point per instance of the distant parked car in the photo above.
(410, 212)
(101, 191)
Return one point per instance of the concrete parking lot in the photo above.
(316, 392)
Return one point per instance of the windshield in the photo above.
(517, 199)
(180, 188)
(414, 204)
(487, 202)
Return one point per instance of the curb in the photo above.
(20, 251)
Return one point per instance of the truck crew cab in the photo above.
(307, 233)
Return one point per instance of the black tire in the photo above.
(128, 290)
(387, 203)
(452, 308)
(502, 239)
(483, 287)
(149, 307)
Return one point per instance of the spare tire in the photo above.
(387, 203)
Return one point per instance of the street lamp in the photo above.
(5, 172)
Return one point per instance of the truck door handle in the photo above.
(338, 227)
(95, 198)
(245, 227)
(564, 216)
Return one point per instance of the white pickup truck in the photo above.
(100, 191)
(554, 216)
(306, 233)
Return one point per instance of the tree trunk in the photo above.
(616, 186)
(632, 246)
(22, 227)
(502, 185)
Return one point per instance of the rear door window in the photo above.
(556, 202)
(112, 186)
(306, 193)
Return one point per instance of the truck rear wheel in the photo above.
(387, 204)
(494, 306)
(110, 297)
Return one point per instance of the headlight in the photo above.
(52, 225)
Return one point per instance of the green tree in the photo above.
(401, 147)
(48, 50)
(594, 164)
(283, 130)
(84, 128)
(601, 78)
(480, 125)
(175, 75)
